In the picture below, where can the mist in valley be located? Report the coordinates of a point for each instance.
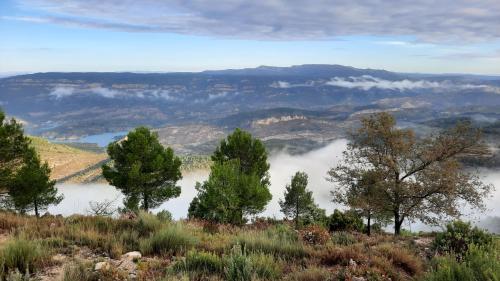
(283, 166)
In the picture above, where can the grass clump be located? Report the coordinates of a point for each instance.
(238, 266)
(79, 272)
(402, 258)
(273, 245)
(23, 255)
(200, 262)
(310, 274)
(343, 238)
(173, 239)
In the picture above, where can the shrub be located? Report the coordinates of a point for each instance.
(348, 220)
(260, 242)
(238, 266)
(164, 216)
(173, 239)
(478, 264)
(202, 262)
(343, 238)
(458, 236)
(23, 255)
(147, 223)
(265, 266)
(282, 232)
(79, 272)
(314, 235)
(130, 239)
(332, 256)
(402, 258)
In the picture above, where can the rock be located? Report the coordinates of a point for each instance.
(133, 256)
(128, 266)
(103, 265)
(358, 278)
(59, 258)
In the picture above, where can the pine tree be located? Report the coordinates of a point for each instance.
(144, 171)
(298, 202)
(32, 189)
(13, 147)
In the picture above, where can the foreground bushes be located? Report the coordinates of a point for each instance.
(478, 264)
(22, 255)
(173, 239)
(458, 237)
(236, 266)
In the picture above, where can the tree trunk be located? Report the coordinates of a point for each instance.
(368, 225)
(36, 208)
(146, 200)
(397, 224)
(297, 214)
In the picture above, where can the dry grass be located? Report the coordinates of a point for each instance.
(273, 252)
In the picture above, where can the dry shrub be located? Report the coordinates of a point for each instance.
(310, 274)
(332, 256)
(314, 235)
(402, 258)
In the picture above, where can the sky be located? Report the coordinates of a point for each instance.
(427, 36)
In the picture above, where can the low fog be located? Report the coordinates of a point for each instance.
(283, 166)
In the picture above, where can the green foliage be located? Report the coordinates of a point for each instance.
(298, 202)
(459, 236)
(250, 152)
(173, 239)
(229, 195)
(478, 264)
(147, 223)
(342, 221)
(143, 170)
(265, 266)
(239, 267)
(164, 216)
(387, 170)
(278, 246)
(13, 146)
(79, 271)
(22, 255)
(343, 238)
(31, 189)
(201, 262)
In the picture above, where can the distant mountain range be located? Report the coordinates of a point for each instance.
(305, 105)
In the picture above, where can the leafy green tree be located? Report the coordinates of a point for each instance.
(13, 147)
(298, 201)
(144, 171)
(250, 152)
(364, 196)
(229, 195)
(417, 178)
(32, 189)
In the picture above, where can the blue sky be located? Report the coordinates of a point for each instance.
(455, 36)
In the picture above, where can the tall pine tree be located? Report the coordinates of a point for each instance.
(144, 170)
(298, 202)
(32, 189)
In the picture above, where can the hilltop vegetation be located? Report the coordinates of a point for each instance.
(387, 176)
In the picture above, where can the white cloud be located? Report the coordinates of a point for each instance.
(442, 21)
(367, 82)
(64, 91)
